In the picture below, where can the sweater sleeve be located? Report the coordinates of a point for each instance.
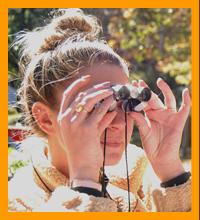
(173, 199)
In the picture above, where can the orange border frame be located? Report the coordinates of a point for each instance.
(194, 5)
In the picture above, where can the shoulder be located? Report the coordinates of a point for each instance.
(23, 192)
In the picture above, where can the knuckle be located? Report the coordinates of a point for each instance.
(81, 94)
(88, 98)
(77, 99)
(65, 93)
(83, 102)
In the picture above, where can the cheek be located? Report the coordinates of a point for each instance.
(130, 126)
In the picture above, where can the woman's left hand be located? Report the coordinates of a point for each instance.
(161, 130)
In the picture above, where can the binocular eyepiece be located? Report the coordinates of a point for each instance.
(131, 98)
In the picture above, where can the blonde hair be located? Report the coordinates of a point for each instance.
(57, 52)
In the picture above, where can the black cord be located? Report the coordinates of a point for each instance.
(36, 172)
(126, 158)
(103, 169)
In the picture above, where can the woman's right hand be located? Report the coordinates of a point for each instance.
(80, 131)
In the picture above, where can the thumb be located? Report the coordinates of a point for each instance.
(106, 121)
(142, 123)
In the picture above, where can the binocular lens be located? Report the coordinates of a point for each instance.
(130, 104)
(145, 95)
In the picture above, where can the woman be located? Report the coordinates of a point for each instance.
(66, 94)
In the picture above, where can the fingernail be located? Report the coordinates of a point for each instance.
(186, 90)
(140, 82)
(109, 91)
(86, 77)
(159, 80)
(102, 84)
(134, 81)
(105, 84)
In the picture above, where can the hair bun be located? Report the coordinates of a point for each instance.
(71, 24)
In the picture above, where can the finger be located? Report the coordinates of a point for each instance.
(71, 90)
(89, 101)
(97, 87)
(158, 116)
(170, 101)
(154, 102)
(142, 83)
(135, 83)
(142, 123)
(106, 121)
(99, 112)
(82, 94)
(185, 106)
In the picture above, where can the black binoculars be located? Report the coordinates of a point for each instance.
(130, 98)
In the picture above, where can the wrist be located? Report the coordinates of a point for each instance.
(85, 183)
(178, 180)
(169, 171)
(86, 173)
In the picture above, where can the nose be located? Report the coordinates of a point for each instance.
(118, 123)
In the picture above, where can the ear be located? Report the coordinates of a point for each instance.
(43, 117)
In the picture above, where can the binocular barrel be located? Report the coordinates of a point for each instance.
(132, 99)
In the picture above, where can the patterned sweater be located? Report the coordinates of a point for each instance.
(40, 187)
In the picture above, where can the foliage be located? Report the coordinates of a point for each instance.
(16, 160)
(156, 37)
(19, 20)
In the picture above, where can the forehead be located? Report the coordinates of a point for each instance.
(106, 72)
(99, 74)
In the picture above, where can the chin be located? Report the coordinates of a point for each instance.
(112, 162)
(113, 155)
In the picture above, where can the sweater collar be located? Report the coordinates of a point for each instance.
(51, 177)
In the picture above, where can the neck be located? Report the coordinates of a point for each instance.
(58, 156)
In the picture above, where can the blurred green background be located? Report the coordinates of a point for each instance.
(154, 42)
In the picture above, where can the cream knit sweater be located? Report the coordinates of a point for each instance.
(28, 193)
